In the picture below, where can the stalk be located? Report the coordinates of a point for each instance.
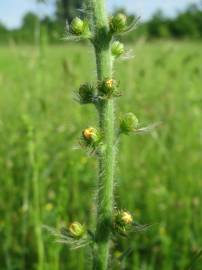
(106, 157)
(102, 33)
(34, 170)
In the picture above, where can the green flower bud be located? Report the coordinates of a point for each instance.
(118, 23)
(86, 93)
(107, 87)
(128, 123)
(76, 230)
(91, 135)
(77, 26)
(117, 48)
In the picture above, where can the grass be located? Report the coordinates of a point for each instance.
(159, 177)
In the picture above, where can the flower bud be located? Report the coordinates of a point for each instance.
(76, 230)
(128, 123)
(123, 222)
(123, 218)
(107, 87)
(118, 23)
(117, 48)
(86, 93)
(77, 26)
(126, 218)
(91, 135)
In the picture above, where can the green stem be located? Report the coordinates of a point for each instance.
(36, 196)
(102, 47)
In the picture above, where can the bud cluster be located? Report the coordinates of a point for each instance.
(121, 221)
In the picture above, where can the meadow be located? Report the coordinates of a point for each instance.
(46, 179)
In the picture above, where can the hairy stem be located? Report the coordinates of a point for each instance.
(106, 122)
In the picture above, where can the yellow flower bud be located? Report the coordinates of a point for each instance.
(126, 218)
(123, 222)
(107, 87)
(109, 83)
(123, 218)
(76, 230)
(89, 133)
(91, 136)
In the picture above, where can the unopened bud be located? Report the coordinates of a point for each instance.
(91, 135)
(109, 83)
(117, 48)
(77, 26)
(76, 230)
(126, 218)
(118, 23)
(107, 87)
(128, 123)
(86, 93)
(123, 222)
(123, 219)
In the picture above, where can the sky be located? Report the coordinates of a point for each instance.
(11, 11)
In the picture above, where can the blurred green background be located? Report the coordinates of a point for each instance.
(45, 179)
